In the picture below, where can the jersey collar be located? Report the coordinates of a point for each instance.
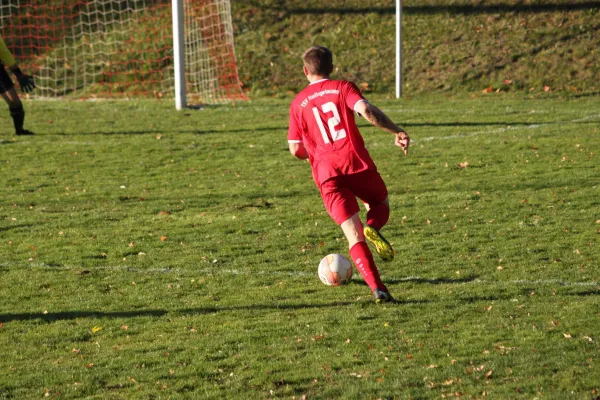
(319, 81)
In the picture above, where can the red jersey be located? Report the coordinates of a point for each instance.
(322, 118)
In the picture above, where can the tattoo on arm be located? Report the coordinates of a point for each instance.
(378, 118)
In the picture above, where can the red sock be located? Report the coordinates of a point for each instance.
(378, 215)
(363, 259)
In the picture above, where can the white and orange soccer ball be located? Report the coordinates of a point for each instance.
(335, 270)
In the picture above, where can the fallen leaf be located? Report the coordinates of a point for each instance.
(163, 238)
(463, 164)
(124, 327)
(488, 90)
(546, 88)
(96, 329)
(567, 335)
(164, 213)
(90, 365)
(489, 373)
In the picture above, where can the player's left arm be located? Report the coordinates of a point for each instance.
(26, 82)
(379, 119)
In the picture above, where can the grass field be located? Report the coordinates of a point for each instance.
(153, 254)
(448, 45)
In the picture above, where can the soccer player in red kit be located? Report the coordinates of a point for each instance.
(322, 129)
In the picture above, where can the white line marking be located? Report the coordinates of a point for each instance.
(274, 273)
(589, 117)
(507, 129)
(477, 133)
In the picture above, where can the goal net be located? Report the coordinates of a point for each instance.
(122, 48)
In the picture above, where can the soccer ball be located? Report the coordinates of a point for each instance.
(335, 270)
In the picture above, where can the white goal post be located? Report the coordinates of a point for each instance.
(398, 49)
(86, 49)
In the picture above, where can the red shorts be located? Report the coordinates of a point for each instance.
(340, 192)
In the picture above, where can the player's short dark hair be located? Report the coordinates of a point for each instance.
(318, 60)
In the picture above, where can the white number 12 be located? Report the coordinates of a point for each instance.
(331, 122)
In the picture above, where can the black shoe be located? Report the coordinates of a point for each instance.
(24, 132)
(383, 297)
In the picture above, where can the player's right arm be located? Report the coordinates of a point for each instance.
(298, 150)
(5, 55)
(295, 144)
(379, 119)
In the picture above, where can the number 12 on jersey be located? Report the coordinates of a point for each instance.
(332, 122)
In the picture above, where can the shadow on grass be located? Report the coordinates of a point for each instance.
(174, 130)
(441, 9)
(591, 292)
(284, 128)
(435, 281)
(9, 228)
(70, 315)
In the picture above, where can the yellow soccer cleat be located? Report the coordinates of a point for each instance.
(382, 246)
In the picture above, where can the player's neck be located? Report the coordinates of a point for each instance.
(317, 78)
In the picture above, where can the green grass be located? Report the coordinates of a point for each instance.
(454, 46)
(147, 253)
